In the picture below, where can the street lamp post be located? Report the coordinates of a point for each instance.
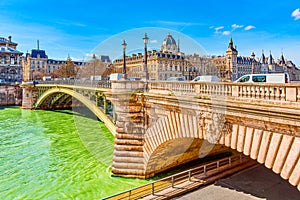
(124, 75)
(94, 57)
(253, 56)
(145, 73)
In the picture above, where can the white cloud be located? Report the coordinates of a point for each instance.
(296, 14)
(226, 33)
(176, 23)
(247, 28)
(219, 28)
(90, 55)
(153, 41)
(235, 26)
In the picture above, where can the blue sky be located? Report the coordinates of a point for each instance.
(79, 27)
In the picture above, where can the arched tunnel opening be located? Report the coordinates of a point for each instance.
(181, 154)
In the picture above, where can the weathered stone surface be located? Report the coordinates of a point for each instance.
(128, 148)
(120, 130)
(129, 172)
(168, 155)
(128, 159)
(128, 142)
(132, 118)
(134, 128)
(129, 136)
(282, 153)
(129, 153)
(128, 165)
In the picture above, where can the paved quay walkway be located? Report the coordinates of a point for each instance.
(253, 183)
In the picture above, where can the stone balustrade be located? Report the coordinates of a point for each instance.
(279, 92)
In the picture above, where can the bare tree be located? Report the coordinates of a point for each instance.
(94, 67)
(67, 70)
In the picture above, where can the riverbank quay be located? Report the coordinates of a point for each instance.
(10, 94)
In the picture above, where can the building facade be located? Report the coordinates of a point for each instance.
(231, 67)
(36, 64)
(10, 61)
(166, 63)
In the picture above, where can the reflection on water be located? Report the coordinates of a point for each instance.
(56, 155)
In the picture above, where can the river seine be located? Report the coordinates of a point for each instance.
(56, 155)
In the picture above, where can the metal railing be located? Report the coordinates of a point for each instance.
(84, 83)
(261, 91)
(196, 174)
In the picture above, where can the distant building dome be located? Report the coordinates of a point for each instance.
(169, 44)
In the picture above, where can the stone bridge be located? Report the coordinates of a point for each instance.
(160, 125)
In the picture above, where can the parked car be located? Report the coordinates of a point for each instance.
(134, 79)
(176, 79)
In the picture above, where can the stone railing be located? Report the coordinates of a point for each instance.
(171, 87)
(274, 92)
(279, 92)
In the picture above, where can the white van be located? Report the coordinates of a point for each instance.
(265, 78)
(206, 79)
(47, 78)
(115, 76)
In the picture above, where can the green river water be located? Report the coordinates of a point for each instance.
(56, 155)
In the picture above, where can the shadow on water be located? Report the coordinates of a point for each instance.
(80, 112)
(5, 107)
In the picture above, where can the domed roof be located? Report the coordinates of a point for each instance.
(169, 40)
(169, 44)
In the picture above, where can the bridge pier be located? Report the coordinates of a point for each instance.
(30, 95)
(128, 159)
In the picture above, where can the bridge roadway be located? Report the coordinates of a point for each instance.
(160, 125)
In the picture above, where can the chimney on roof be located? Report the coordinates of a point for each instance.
(38, 44)
(9, 38)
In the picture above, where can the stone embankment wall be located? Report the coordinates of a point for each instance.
(10, 95)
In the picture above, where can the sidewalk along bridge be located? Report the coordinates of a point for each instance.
(186, 181)
(160, 125)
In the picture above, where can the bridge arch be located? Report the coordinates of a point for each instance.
(84, 100)
(277, 151)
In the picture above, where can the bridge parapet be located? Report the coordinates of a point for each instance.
(174, 121)
(269, 92)
(160, 125)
